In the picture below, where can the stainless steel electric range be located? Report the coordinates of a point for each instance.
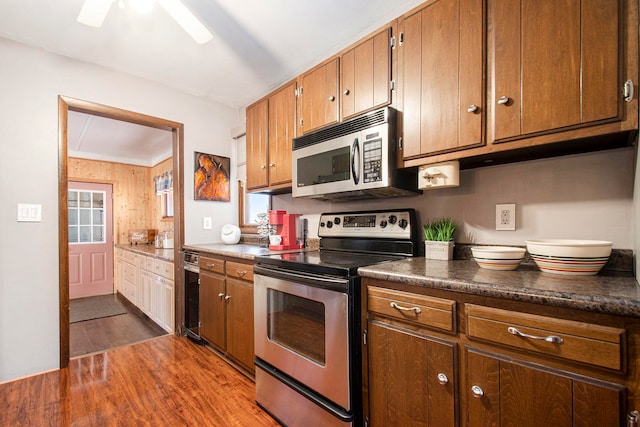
(307, 309)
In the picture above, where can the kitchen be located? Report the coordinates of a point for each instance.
(592, 192)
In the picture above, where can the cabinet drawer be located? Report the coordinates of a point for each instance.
(240, 271)
(129, 272)
(212, 264)
(148, 263)
(423, 310)
(581, 342)
(163, 268)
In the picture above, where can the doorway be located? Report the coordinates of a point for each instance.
(65, 105)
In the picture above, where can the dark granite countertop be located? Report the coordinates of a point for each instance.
(163, 254)
(602, 293)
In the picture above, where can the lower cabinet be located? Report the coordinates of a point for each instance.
(504, 392)
(434, 361)
(226, 308)
(147, 282)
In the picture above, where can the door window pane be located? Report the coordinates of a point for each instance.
(86, 216)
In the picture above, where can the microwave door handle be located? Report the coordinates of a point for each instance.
(355, 161)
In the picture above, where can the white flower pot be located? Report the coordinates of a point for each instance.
(438, 250)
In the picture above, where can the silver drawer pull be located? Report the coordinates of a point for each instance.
(554, 339)
(477, 391)
(241, 273)
(210, 265)
(442, 378)
(416, 310)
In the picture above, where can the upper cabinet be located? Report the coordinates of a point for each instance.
(257, 129)
(365, 75)
(441, 56)
(270, 129)
(555, 65)
(318, 97)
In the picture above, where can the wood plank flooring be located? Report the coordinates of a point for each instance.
(97, 335)
(166, 381)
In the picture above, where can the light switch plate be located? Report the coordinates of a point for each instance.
(29, 213)
(206, 223)
(506, 217)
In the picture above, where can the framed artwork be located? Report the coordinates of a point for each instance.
(211, 177)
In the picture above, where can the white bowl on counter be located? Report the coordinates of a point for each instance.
(498, 257)
(570, 257)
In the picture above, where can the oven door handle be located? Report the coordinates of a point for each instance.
(319, 281)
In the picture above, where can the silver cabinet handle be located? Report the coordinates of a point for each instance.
(442, 378)
(220, 295)
(416, 310)
(346, 92)
(472, 108)
(262, 166)
(332, 98)
(503, 100)
(273, 165)
(227, 298)
(241, 273)
(210, 265)
(554, 339)
(477, 391)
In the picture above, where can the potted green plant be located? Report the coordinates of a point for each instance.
(438, 235)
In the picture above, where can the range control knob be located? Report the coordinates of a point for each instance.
(321, 224)
(393, 219)
(336, 220)
(403, 223)
(329, 224)
(383, 223)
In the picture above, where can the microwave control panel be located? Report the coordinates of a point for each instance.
(372, 159)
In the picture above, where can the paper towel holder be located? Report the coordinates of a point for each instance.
(439, 175)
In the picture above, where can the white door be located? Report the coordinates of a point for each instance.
(90, 239)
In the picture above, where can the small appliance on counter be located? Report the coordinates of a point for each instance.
(143, 236)
(230, 234)
(289, 231)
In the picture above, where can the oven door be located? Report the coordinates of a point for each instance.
(301, 328)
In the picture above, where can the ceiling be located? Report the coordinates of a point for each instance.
(257, 44)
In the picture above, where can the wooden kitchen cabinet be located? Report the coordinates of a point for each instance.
(212, 304)
(439, 358)
(554, 65)
(411, 374)
(365, 75)
(226, 308)
(271, 125)
(442, 77)
(318, 97)
(257, 145)
(503, 392)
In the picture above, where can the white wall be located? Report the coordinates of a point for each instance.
(30, 82)
(587, 196)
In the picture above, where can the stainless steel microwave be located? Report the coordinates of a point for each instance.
(352, 159)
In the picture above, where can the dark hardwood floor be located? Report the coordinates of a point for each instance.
(166, 381)
(97, 335)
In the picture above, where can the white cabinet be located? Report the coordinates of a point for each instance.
(147, 282)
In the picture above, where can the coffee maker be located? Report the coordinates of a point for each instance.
(287, 231)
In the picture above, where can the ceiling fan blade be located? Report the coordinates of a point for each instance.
(93, 12)
(187, 20)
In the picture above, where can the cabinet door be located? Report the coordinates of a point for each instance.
(212, 308)
(240, 322)
(282, 116)
(319, 97)
(502, 393)
(555, 64)
(442, 67)
(257, 128)
(411, 378)
(168, 305)
(365, 75)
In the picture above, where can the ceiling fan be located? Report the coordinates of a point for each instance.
(94, 12)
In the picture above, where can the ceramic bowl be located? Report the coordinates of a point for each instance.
(569, 257)
(498, 257)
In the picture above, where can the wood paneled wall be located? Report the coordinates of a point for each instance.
(135, 204)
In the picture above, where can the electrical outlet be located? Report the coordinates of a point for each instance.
(506, 217)
(206, 223)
